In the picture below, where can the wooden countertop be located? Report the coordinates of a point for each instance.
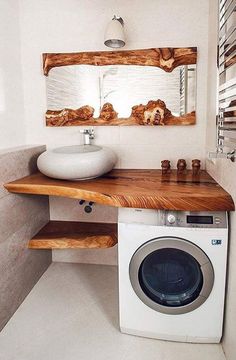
(147, 189)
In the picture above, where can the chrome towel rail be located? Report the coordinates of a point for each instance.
(226, 119)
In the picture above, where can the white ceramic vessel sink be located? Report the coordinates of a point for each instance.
(77, 162)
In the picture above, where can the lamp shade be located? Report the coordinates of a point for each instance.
(114, 34)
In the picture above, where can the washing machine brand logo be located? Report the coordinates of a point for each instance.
(216, 242)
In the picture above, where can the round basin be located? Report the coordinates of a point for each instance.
(77, 162)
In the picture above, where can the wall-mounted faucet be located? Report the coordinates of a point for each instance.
(88, 135)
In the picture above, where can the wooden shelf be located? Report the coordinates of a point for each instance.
(147, 189)
(75, 235)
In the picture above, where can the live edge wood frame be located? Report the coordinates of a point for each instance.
(154, 112)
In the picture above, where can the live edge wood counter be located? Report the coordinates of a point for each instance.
(147, 189)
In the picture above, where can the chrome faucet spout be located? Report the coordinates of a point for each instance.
(88, 135)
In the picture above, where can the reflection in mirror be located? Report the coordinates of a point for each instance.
(121, 94)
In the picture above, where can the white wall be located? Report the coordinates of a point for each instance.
(12, 131)
(72, 25)
(224, 172)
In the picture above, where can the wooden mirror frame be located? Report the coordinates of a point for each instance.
(153, 113)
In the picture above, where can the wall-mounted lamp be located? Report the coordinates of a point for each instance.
(114, 35)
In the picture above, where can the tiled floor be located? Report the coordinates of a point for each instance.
(72, 314)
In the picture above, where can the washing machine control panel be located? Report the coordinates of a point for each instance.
(217, 219)
(189, 219)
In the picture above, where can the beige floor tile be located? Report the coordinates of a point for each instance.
(72, 314)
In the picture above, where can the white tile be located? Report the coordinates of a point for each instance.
(107, 135)
(161, 136)
(148, 156)
(224, 172)
(72, 313)
(70, 210)
(150, 349)
(86, 256)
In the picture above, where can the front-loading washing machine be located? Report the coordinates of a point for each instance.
(172, 272)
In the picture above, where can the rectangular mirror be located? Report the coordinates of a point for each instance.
(117, 94)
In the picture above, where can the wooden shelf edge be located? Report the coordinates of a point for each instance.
(147, 189)
(75, 235)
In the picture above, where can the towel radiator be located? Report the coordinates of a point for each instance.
(226, 118)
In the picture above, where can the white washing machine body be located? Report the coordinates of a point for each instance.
(188, 252)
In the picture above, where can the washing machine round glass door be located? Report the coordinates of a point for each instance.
(171, 275)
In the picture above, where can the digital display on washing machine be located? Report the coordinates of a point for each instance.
(195, 219)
